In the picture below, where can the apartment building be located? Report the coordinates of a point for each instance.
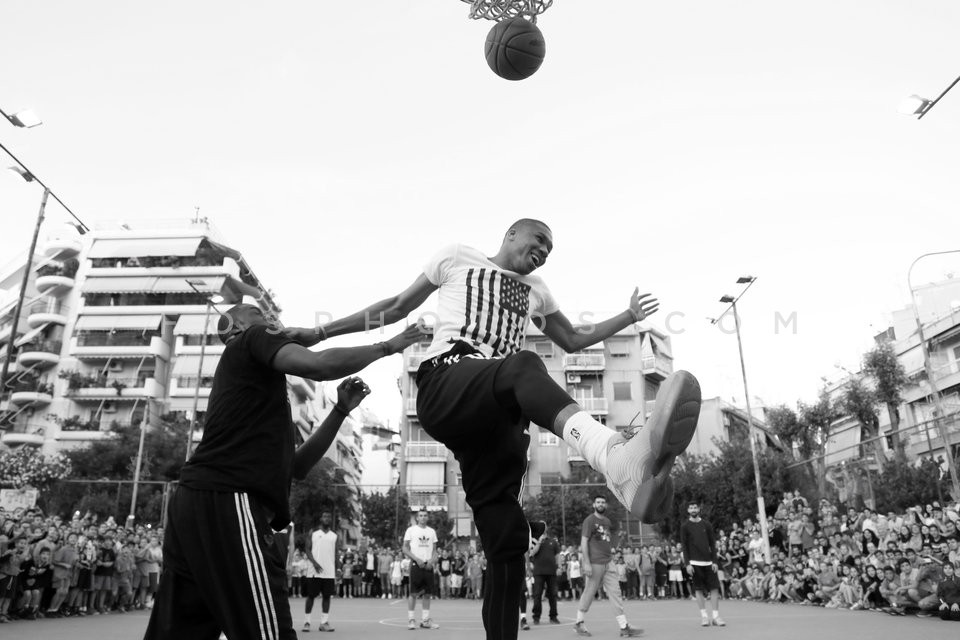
(615, 380)
(119, 328)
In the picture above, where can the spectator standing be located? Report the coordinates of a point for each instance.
(384, 564)
(64, 561)
(420, 547)
(595, 537)
(543, 556)
(320, 572)
(700, 553)
(646, 574)
(631, 560)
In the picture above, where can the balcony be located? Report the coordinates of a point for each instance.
(411, 406)
(657, 367)
(573, 457)
(65, 245)
(299, 386)
(31, 392)
(414, 357)
(424, 452)
(429, 500)
(29, 434)
(119, 344)
(596, 406)
(582, 361)
(115, 389)
(40, 353)
(46, 312)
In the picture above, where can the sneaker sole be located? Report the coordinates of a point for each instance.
(673, 424)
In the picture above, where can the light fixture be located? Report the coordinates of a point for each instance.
(727, 299)
(25, 118)
(745, 279)
(23, 173)
(913, 105)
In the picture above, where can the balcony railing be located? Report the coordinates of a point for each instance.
(584, 361)
(430, 500)
(89, 385)
(190, 382)
(425, 451)
(658, 366)
(46, 306)
(32, 386)
(115, 338)
(593, 405)
(44, 346)
(411, 406)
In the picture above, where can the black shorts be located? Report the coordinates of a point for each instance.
(224, 565)
(369, 575)
(421, 580)
(313, 587)
(705, 579)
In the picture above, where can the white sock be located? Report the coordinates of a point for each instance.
(716, 614)
(308, 618)
(579, 615)
(412, 615)
(589, 438)
(426, 614)
(324, 618)
(622, 621)
(703, 613)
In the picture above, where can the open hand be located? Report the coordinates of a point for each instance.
(642, 304)
(411, 335)
(351, 392)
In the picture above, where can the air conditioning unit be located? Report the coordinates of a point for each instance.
(115, 365)
(573, 378)
(109, 407)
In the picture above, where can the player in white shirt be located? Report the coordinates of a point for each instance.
(479, 390)
(321, 574)
(420, 546)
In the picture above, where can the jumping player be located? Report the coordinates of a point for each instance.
(478, 391)
(222, 569)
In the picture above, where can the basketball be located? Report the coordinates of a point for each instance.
(515, 49)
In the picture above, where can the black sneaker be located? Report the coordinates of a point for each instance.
(630, 632)
(524, 625)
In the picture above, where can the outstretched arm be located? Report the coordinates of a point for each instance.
(331, 364)
(558, 327)
(350, 393)
(387, 311)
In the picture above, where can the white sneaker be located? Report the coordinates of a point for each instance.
(411, 624)
(642, 483)
(429, 624)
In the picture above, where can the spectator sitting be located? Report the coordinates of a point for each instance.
(948, 594)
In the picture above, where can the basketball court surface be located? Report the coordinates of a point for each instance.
(372, 619)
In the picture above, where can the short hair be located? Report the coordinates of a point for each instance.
(526, 222)
(227, 324)
(600, 496)
(692, 503)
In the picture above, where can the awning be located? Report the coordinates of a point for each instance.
(144, 247)
(30, 335)
(188, 365)
(106, 323)
(152, 284)
(193, 325)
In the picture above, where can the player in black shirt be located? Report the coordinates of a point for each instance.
(222, 570)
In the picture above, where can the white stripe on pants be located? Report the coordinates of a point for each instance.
(605, 574)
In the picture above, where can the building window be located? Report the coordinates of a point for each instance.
(548, 439)
(619, 348)
(543, 348)
(956, 353)
(621, 391)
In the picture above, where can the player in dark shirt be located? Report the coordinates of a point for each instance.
(699, 544)
(222, 569)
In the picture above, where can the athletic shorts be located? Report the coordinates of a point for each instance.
(676, 575)
(421, 580)
(704, 579)
(369, 575)
(224, 565)
(456, 581)
(313, 587)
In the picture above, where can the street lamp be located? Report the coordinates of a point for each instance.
(211, 300)
(918, 106)
(24, 118)
(931, 379)
(761, 509)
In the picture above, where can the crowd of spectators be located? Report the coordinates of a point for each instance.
(51, 568)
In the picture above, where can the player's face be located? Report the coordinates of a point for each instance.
(693, 510)
(599, 505)
(422, 519)
(326, 520)
(532, 244)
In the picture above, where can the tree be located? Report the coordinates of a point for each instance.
(882, 365)
(902, 484)
(385, 515)
(783, 421)
(442, 523)
(324, 489)
(817, 419)
(27, 467)
(565, 506)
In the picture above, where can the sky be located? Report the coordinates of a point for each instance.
(670, 146)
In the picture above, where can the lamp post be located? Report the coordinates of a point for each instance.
(761, 509)
(211, 300)
(931, 379)
(918, 106)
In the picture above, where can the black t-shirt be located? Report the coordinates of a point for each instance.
(545, 560)
(248, 436)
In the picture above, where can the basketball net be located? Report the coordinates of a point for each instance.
(498, 10)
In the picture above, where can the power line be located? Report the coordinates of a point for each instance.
(30, 175)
